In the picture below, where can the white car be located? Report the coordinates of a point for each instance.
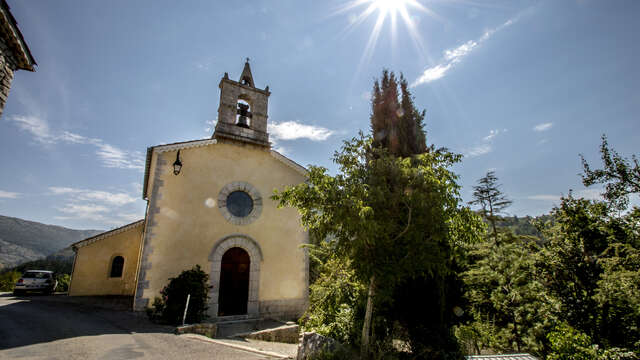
(36, 280)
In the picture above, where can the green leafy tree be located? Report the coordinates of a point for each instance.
(492, 201)
(618, 296)
(335, 295)
(568, 262)
(509, 308)
(621, 176)
(395, 218)
(590, 265)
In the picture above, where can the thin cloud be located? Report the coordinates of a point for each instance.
(9, 195)
(112, 198)
(493, 134)
(588, 194)
(292, 130)
(113, 157)
(455, 55)
(103, 207)
(543, 127)
(37, 126)
(486, 146)
(432, 74)
(110, 155)
(211, 124)
(545, 197)
(479, 150)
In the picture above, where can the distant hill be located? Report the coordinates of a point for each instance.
(23, 240)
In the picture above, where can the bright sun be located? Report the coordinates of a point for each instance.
(392, 5)
(386, 9)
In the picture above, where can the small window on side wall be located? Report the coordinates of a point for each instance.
(116, 267)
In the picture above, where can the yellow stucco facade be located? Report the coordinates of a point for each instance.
(94, 259)
(185, 221)
(192, 219)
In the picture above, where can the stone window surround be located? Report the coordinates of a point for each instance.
(253, 193)
(255, 255)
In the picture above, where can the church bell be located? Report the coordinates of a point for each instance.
(243, 111)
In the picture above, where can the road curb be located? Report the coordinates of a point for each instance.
(235, 346)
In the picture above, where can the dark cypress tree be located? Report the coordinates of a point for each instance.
(396, 124)
(421, 305)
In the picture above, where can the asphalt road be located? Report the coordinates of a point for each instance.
(41, 327)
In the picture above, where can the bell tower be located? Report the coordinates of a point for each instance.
(242, 114)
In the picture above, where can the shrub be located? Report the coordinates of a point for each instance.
(8, 280)
(170, 308)
(568, 343)
(63, 282)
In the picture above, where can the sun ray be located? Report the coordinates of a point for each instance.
(414, 34)
(395, 10)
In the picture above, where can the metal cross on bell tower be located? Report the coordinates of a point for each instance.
(243, 111)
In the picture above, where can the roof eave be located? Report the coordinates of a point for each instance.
(28, 61)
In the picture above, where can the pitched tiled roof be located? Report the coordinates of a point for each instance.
(106, 234)
(502, 357)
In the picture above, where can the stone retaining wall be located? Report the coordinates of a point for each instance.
(206, 329)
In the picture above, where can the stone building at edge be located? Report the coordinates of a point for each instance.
(208, 204)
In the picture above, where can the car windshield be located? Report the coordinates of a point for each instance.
(35, 275)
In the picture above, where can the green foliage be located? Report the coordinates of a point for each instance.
(170, 308)
(618, 296)
(579, 257)
(8, 280)
(397, 220)
(579, 276)
(339, 353)
(380, 209)
(526, 225)
(334, 296)
(621, 176)
(63, 282)
(508, 305)
(569, 344)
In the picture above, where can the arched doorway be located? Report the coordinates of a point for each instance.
(234, 282)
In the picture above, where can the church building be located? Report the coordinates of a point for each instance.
(209, 204)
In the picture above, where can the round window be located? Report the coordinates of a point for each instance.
(239, 204)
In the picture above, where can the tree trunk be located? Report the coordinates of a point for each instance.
(493, 222)
(366, 327)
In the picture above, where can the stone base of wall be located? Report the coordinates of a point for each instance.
(205, 329)
(312, 343)
(288, 309)
(112, 302)
(289, 334)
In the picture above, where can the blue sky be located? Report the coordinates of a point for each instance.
(521, 87)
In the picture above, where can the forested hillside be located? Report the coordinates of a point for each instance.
(23, 240)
